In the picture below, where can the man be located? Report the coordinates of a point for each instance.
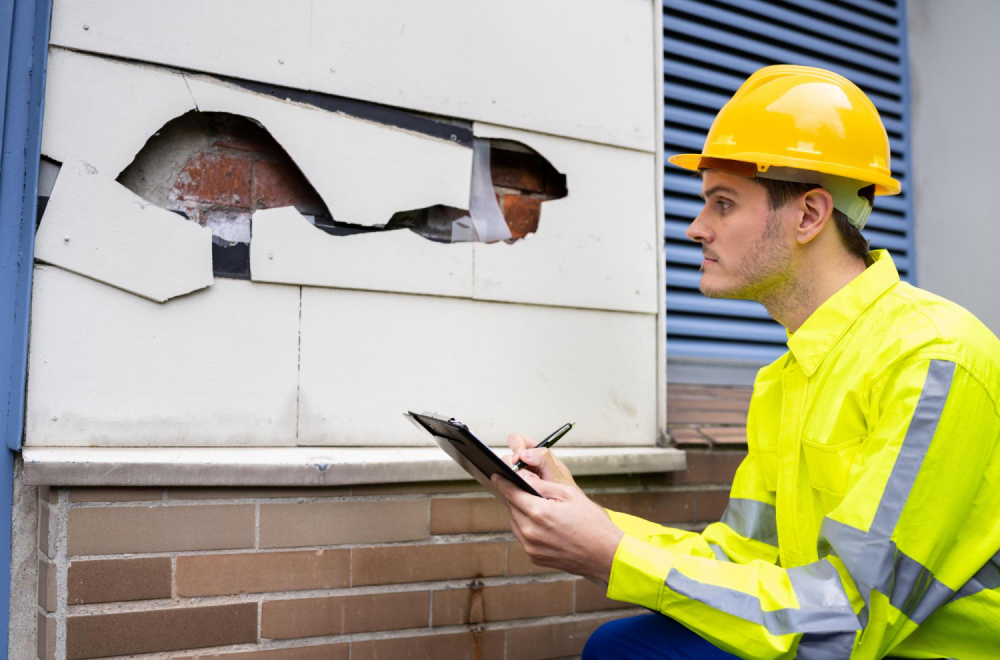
(865, 521)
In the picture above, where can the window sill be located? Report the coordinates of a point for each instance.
(298, 466)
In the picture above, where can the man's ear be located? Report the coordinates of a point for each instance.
(816, 207)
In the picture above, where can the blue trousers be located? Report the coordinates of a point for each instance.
(649, 637)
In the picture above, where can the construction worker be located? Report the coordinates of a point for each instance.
(865, 520)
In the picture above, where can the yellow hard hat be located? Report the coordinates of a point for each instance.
(803, 118)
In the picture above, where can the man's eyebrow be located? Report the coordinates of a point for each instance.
(717, 189)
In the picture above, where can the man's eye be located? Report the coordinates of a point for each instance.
(723, 205)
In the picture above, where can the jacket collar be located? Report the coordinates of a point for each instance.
(831, 320)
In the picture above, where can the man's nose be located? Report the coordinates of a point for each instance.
(697, 230)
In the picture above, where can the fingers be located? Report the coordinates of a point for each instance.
(519, 441)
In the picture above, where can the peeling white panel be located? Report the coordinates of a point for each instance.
(103, 111)
(368, 357)
(94, 226)
(215, 367)
(364, 171)
(578, 68)
(287, 249)
(595, 248)
(253, 39)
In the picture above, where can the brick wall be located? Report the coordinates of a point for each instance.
(381, 571)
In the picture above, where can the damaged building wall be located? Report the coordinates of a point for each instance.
(564, 67)
(356, 178)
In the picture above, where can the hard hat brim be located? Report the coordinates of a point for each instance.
(884, 185)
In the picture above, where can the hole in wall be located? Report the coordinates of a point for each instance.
(216, 169)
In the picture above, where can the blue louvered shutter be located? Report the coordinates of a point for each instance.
(709, 48)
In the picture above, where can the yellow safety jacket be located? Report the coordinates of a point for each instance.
(865, 520)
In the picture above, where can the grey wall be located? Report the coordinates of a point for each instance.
(955, 145)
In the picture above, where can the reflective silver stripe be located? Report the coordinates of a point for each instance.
(752, 519)
(825, 646)
(871, 557)
(986, 578)
(719, 553)
(825, 608)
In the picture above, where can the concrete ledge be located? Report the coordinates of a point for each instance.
(298, 466)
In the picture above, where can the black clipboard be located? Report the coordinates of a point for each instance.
(470, 452)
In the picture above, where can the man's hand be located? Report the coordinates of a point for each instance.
(539, 461)
(565, 531)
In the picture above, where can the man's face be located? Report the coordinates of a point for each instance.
(745, 245)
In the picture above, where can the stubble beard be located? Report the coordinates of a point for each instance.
(764, 274)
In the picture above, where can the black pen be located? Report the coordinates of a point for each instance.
(548, 442)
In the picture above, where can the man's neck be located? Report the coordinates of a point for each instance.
(814, 281)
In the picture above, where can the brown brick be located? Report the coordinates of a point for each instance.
(687, 437)
(331, 523)
(313, 617)
(46, 533)
(464, 515)
(473, 645)
(283, 184)
(518, 562)
(315, 652)
(609, 481)
(522, 214)
(417, 488)
(479, 604)
(591, 597)
(704, 467)
(46, 637)
(82, 494)
(47, 494)
(661, 507)
(708, 392)
(223, 493)
(423, 563)
(215, 179)
(520, 171)
(710, 504)
(553, 640)
(46, 586)
(715, 403)
(707, 417)
(127, 633)
(111, 580)
(726, 435)
(111, 530)
(218, 575)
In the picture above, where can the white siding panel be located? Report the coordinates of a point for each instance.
(253, 39)
(579, 68)
(500, 368)
(287, 249)
(597, 247)
(96, 227)
(108, 368)
(103, 111)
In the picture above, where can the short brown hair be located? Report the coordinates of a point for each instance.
(780, 193)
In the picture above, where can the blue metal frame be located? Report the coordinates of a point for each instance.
(24, 37)
(907, 184)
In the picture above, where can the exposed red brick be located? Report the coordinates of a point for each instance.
(711, 417)
(518, 562)
(522, 214)
(216, 179)
(521, 171)
(283, 184)
(46, 637)
(552, 640)
(216, 575)
(703, 467)
(315, 652)
(714, 403)
(687, 437)
(726, 435)
(466, 515)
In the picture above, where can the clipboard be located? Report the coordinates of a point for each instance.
(470, 452)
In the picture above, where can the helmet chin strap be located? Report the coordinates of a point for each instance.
(843, 190)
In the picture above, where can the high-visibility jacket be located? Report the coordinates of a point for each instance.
(865, 520)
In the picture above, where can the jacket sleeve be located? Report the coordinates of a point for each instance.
(886, 554)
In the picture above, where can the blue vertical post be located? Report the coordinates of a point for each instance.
(24, 36)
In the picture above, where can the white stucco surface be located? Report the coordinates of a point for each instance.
(955, 139)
